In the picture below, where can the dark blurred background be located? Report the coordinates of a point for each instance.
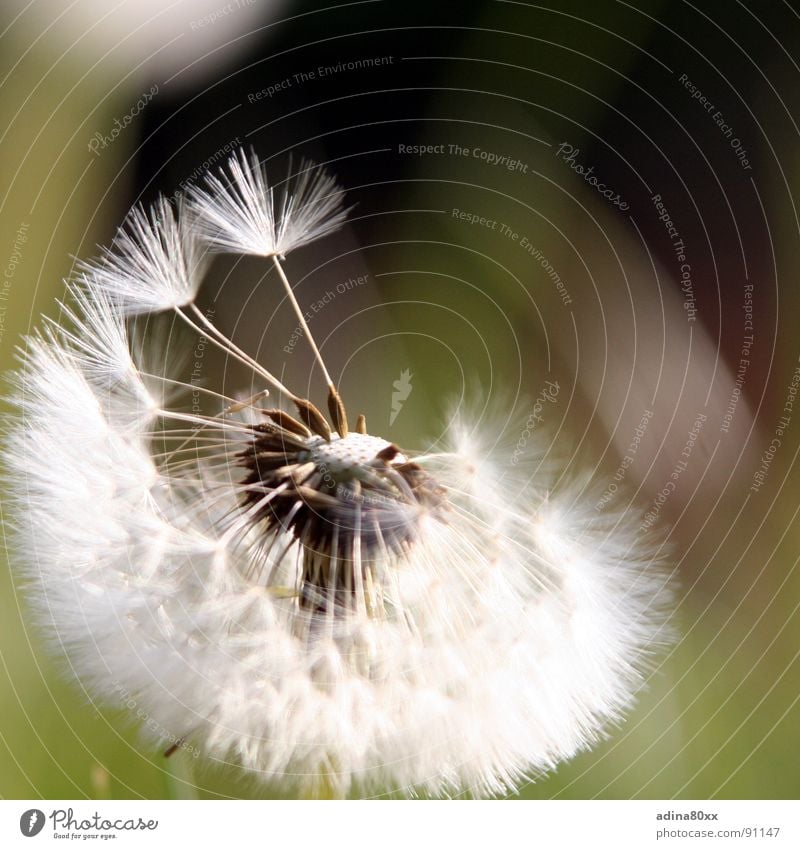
(605, 199)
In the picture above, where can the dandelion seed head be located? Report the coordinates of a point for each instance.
(310, 603)
(348, 455)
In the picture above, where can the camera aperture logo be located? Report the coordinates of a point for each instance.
(67, 826)
(31, 822)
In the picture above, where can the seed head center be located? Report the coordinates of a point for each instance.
(345, 456)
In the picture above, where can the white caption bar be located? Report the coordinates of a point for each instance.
(402, 824)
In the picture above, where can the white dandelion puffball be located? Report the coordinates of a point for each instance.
(283, 591)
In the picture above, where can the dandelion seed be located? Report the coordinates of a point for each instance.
(317, 605)
(241, 212)
(157, 261)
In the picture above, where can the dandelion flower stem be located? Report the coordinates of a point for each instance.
(303, 323)
(222, 341)
(322, 787)
(233, 403)
(179, 776)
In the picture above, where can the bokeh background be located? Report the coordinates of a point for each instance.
(628, 178)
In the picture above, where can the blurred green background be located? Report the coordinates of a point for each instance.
(464, 305)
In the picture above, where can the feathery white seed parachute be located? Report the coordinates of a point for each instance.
(156, 262)
(306, 601)
(240, 212)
